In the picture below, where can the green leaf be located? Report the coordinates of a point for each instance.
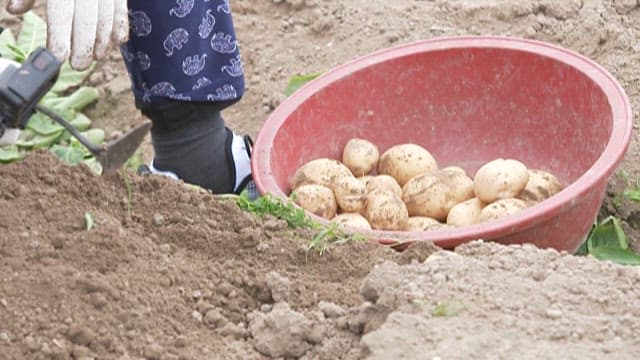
(81, 122)
(32, 34)
(88, 221)
(617, 255)
(93, 165)
(29, 139)
(95, 135)
(609, 234)
(41, 124)
(17, 53)
(7, 39)
(296, 81)
(70, 78)
(69, 154)
(9, 154)
(79, 99)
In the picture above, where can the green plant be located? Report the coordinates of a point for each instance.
(67, 98)
(88, 221)
(607, 241)
(297, 81)
(324, 236)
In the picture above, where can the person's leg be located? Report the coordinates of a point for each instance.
(185, 68)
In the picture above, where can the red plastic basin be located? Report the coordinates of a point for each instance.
(467, 100)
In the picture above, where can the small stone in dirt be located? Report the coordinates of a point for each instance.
(281, 333)
(279, 286)
(4, 337)
(153, 352)
(554, 313)
(57, 242)
(3, 302)
(331, 310)
(197, 294)
(158, 219)
(80, 335)
(196, 315)
(234, 330)
(214, 319)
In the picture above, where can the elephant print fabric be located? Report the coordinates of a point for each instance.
(183, 50)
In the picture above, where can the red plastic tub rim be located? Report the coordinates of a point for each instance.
(598, 173)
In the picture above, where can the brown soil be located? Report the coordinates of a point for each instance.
(173, 273)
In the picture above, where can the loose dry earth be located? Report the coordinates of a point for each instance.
(173, 273)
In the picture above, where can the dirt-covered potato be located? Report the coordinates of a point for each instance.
(383, 183)
(352, 220)
(351, 194)
(320, 171)
(423, 223)
(500, 179)
(541, 185)
(501, 208)
(434, 194)
(386, 211)
(465, 213)
(406, 161)
(360, 156)
(317, 199)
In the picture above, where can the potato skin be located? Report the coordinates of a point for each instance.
(360, 156)
(501, 208)
(386, 211)
(465, 213)
(351, 194)
(320, 171)
(405, 161)
(383, 183)
(500, 179)
(423, 223)
(434, 194)
(541, 186)
(352, 220)
(317, 199)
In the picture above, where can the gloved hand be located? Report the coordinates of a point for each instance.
(81, 30)
(9, 137)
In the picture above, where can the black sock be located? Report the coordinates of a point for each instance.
(189, 139)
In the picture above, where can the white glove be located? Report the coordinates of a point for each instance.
(9, 137)
(81, 30)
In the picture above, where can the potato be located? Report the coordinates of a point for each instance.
(317, 199)
(386, 211)
(541, 185)
(501, 208)
(383, 183)
(406, 161)
(351, 194)
(500, 179)
(423, 223)
(352, 220)
(320, 171)
(360, 156)
(434, 194)
(364, 179)
(465, 213)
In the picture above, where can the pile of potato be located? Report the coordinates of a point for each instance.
(404, 189)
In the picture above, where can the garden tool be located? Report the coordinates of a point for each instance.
(21, 88)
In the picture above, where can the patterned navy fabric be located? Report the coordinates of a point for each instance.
(183, 50)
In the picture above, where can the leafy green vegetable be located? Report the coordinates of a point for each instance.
(9, 154)
(67, 98)
(42, 125)
(33, 33)
(69, 78)
(6, 40)
(69, 154)
(607, 241)
(617, 255)
(296, 82)
(88, 221)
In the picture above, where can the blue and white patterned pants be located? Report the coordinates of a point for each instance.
(183, 50)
